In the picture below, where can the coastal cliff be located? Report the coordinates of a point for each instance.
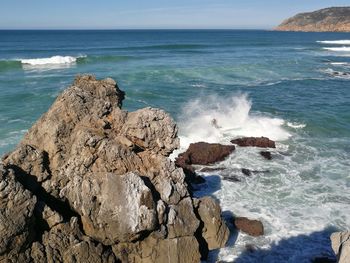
(333, 19)
(91, 182)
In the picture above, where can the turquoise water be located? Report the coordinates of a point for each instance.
(287, 86)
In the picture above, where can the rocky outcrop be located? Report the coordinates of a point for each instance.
(202, 153)
(334, 19)
(90, 182)
(251, 227)
(341, 246)
(266, 154)
(262, 142)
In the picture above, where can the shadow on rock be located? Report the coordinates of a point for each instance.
(299, 249)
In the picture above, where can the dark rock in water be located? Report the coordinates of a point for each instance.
(206, 153)
(262, 142)
(266, 154)
(90, 182)
(246, 172)
(201, 153)
(251, 227)
(211, 169)
(233, 179)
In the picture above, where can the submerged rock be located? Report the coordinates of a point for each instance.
(266, 154)
(341, 246)
(96, 184)
(262, 142)
(251, 227)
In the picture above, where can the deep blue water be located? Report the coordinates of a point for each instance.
(292, 92)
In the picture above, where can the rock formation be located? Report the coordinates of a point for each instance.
(93, 183)
(262, 142)
(341, 246)
(251, 227)
(334, 19)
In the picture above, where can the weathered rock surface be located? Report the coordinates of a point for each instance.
(341, 246)
(215, 231)
(333, 19)
(93, 183)
(251, 227)
(262, 142)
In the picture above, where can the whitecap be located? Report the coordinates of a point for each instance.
(50, 61)
(296, 125)
(335, 42)
(338, 49)
(215, 119)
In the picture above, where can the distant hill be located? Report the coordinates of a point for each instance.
(333, 19)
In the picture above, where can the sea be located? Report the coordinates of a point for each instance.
(291, 87)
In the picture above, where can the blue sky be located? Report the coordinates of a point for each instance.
(115, 14)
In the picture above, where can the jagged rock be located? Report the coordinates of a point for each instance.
(266, 154)
(17, 222)
(214, 231)
(88, 161)
(341, 246)
(251, 227)
(65, 243)
(262, 142)
(157, 249)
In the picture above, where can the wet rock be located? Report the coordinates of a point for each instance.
(206, 153)
(341, 246)
(211, 169)
(231, 178)
(246, 172)
(251, 227)
(262, 142)
(214, 231)
(266, 154)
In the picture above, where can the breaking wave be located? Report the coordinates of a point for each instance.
(335, 42)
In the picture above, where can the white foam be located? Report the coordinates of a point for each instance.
(233, 118)
(339, 63)
(335, 42)
(296, 125)
(338, 49)
(49, 61)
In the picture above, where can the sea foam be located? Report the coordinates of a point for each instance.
(338, 49)
(49, 61)
(215, 119)
(335, 42)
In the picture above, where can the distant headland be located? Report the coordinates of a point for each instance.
(333, 19)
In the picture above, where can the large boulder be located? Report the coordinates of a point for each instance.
(214, 231)
(103, 180)
(262, 142)
(341, 246)
(251, 227)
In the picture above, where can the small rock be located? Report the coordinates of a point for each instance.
(262, 142)
(246, 172)
(251, 227)
(233, 179)
(211, 169)
(266, 154)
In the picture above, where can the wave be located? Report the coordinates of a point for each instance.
(338, 49)
(232, 117)
(49, 61)
(339, 63)
(335, 42)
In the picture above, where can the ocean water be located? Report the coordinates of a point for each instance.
(291, 87)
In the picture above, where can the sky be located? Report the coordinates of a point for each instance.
(153, 14)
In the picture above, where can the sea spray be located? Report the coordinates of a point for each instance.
(217, 119)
